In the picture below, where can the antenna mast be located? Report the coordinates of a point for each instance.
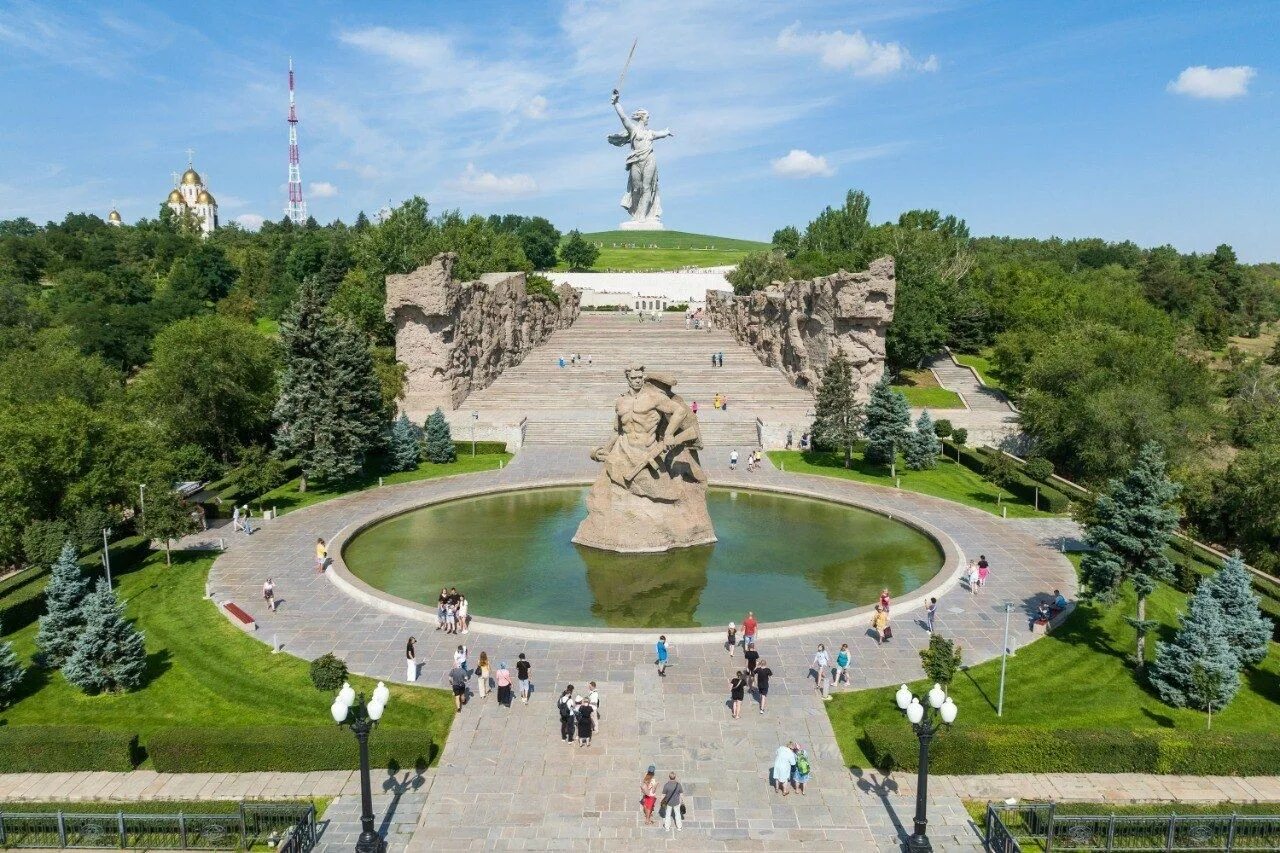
(297, 208)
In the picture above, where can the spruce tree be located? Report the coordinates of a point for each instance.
(439, 440)
(1248, 631)
(404, 447)
(838, 414)
(923, 445)
(330, 404)
(11, 672)
(63, 620)
(110, 655)
(888, 422)
(1129, 535)
(1198, 669)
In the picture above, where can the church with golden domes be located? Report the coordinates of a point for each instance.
(191, 195)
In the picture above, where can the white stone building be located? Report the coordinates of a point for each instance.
(192, 195)
(644, 291)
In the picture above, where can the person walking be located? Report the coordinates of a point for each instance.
(322, 555)
(584, 715)
(661, 660)
(842, 664)
(713, 359)
(790, 437)
(593, 699)
(732, 639)
(762, 676)
(783, 760)
(463, 616)
(410, 661)
(884, 599)
(502, 680)
(752, 657)
(458, 680)
(245, 514)
(672, 808)
(460, 658)
(802, 769)
(649, 794)
(236, 526)
(522, 675)
(821, 662)
(880, 622)
(984, 571)
(749, 628)
(931, 614)
(694, 407)
(269, 594)
(482, 673)
(971, 575)
(737, 692)
(720, 358)
(564, 705)
(733, 457)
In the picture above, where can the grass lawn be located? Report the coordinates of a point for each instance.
(982, 363)
(202, 671)
(666, 250)
(923, 391)
(287, 498)
(949, 480)
(1076, 678)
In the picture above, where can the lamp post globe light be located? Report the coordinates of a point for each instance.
(351, 709)
(941, 712)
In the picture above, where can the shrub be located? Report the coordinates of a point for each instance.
(328, 672)
(1038, 468)
(490, 447)
(940, 660)
(960, 435)
(48, 749)
(42, 542)
(943, 428)
(23, 598)
(295, 749)
(1185, 577)
(540, 285)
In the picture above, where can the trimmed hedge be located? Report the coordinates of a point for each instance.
(22, 599)
(1023, 749)
(295, 749)
(464, 447)
(47, 749)
(1051, 498)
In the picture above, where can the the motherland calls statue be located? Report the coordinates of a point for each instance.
(652, 493)
(641, 198)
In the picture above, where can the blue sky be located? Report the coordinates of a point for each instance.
(1155, 121)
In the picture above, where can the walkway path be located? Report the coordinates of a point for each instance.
(505, 780)
(989, 417)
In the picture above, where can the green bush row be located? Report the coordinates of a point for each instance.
(45, 749)
(481, 446)
(1020, 749)
(977, 460)
(283, 748)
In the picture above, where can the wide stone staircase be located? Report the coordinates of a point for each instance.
(573, 405)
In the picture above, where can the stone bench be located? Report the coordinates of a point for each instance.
(238, 617)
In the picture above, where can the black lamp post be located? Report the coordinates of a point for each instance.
(360, 717)
(927, 723)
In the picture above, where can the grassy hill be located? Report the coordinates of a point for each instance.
(666, 250)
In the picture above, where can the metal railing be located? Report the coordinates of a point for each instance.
(287, 828)
(1041, 827)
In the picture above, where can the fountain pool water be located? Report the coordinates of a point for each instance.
(783, 557)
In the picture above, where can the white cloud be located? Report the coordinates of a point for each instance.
(475, 182)
(801, 164)
(250, 221)
(1201, 81)
(323, 189)
(536, 108)
(366, 171)
(853, 52)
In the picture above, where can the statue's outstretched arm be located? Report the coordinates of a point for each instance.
(622, 115)
(664, 133)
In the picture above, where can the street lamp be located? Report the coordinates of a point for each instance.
(106, 553)
(142, 507)
(352, 709)
(475, 416)
(926, 724)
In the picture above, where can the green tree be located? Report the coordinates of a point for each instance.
(923, 445)
(405, 451)
(196, 281)
(257, 473)
(1198, 668)
(11, 672)
(43, 541)
(212, 382)
(1248, 632)
(439, 440)
(330, 403)
(758, 270)
(63, 620)
(110, 655)
(540, 240)
(838, 415)
(787, 241)
(394, 245)
(888, 422)
(1129, 537)
(1038, 468)
(940, 660)
(577, 253)
(1000, 472)
(1273, 358)
(168, 517)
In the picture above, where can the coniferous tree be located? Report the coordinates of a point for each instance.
(888, 422)
(439, 440)
(330, 404)
(11, 672)
(63, 599)
(1129, 535)
(405, 449)
(838, 415)
(1247, 630)
(1198, 669)
(923, 445)
(110, 654)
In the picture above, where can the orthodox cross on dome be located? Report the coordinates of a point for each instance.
(175, 178)
(191, 153)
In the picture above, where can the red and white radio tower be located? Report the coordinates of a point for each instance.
(297, 209)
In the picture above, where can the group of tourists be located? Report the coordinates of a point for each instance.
(697, 320)
(791, 767)
(805, 439)
(579, 715)
(241, 520)
(717, 359)
(488, 679)
(573, 360)
(977, 573)
(671, 809)
(452, 612)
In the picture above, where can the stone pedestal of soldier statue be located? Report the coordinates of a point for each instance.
(651, 494)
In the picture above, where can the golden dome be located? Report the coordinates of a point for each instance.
(205, 197)
(114, 215)
(175, 197)
(191, 177)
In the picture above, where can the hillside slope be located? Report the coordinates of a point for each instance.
(666, 250)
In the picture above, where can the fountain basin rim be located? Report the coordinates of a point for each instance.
(947, 577)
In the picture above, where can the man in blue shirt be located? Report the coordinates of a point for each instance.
(662, 656)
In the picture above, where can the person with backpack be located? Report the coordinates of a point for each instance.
(802, 769)
(565, 706)
(783, 760)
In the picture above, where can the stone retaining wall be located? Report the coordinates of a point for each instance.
(457, 337)
(797, 326)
